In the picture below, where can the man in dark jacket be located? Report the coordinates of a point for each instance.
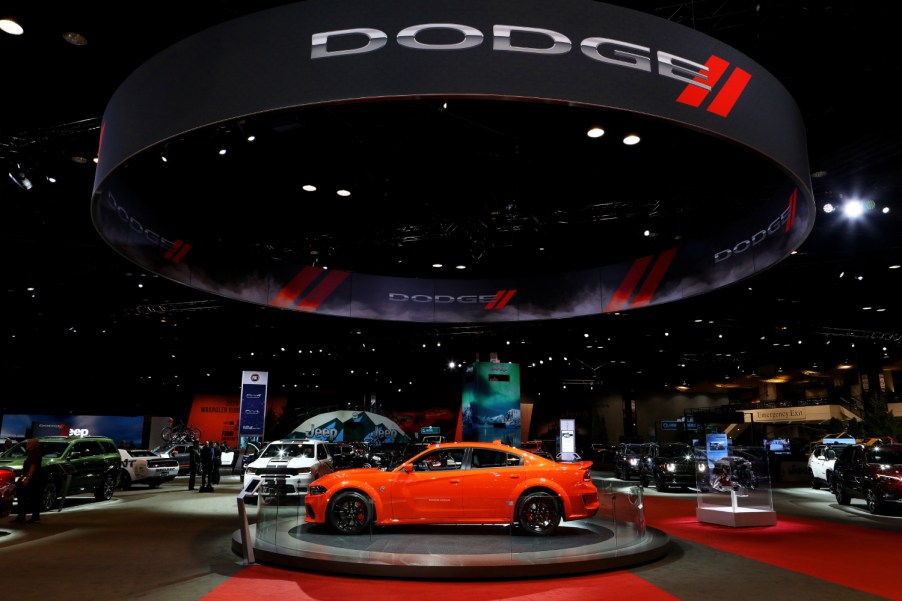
(193, 464)
(207, 459)
(29, 483)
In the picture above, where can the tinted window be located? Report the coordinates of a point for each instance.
(487, 458)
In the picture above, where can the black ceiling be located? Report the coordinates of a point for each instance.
(98, 333)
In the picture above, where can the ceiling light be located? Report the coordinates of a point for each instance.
(853, 209)
(11, 27)
(829, 208)
(436, 265)
(222, 151)
(595, 132)
(460, 267)
(631, 140)
(309, 188)
(251, 138)
(343, 193)
(20, 178)
(75, 38)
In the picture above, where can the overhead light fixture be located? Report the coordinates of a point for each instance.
(11, 27)
(75, 38)
(631, 140)
(595, 132)
(309, 188)
(343, 193)
(20, 178)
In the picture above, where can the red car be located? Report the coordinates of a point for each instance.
(457, 483)
(872, 473)
(7, 490)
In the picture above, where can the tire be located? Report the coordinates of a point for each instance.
(841, 497)
(815, 483)
(539, 513)
(125, 481)
(350, 512)
(48, 496)
(105, 492)
(875, 505)
(617, 473)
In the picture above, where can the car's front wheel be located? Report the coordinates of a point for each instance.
(125, 481)
(660, 483)
(539, 513)
(105, 492)
(350, 512)
(873, 500)
(48, 496)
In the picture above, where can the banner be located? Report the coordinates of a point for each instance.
(252, 412)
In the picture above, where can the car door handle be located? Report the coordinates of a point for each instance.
(454, 481)
(515, 476)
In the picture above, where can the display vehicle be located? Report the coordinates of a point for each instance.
(669, 465)
(142, 466)
(820, 464)
(287, 467)
(872, 473)
(457, 483)
(627, 458)
(71, 465)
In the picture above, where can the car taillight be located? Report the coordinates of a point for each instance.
(587, 477)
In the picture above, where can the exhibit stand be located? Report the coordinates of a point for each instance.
(617, 537)
(734, 487)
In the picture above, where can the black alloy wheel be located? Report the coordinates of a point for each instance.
(105, 492)
(48, 496)
(125, 481)
(872, 498)
(539, 513)
(350, 512)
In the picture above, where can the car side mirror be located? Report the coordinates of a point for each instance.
(74, 455)
(407, 467)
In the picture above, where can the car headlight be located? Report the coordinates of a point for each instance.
(298, 471)
(671, 467)
(634, 461)
(702, 467)
(316, 490)
(888, 477)
(250, 471)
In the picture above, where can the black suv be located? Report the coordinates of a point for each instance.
(627, 459)
(872, 473)
(669, 464)
(71, 465)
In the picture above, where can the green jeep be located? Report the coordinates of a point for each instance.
(71, 465)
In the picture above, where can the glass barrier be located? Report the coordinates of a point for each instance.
(278, 516)
(735, 487)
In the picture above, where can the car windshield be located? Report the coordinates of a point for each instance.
(287, 451)
(632, 449)
(886, 456)
(142, 454)
(674, 450)
(53, 449)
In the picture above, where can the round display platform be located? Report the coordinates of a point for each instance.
(455, 551)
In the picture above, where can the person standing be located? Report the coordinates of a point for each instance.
(217, 462)
(29, 483)
(193, 463)
(206, 466)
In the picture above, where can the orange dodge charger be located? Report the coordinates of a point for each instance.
(457, 483)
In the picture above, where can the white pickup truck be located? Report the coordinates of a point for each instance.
(820, 464)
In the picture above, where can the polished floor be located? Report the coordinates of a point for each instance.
(176, 545)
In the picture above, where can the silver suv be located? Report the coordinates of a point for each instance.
(287, 467)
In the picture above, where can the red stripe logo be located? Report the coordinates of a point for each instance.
(502, 297)
(724, 101)
(309, 289)
(177, 251)
(793, 198)
(641, 277)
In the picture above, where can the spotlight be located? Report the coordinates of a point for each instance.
(20, 178)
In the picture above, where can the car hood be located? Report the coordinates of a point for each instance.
(293, 462)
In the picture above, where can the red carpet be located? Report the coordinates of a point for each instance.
(788, 545)
(260, 582)
(793, 544)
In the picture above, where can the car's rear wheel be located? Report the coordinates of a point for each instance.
(841, 496)
(125, 481)
(539, 513)
(875, 505)
(105, 492)
(815, 483)
(48, 496)
(350, 512)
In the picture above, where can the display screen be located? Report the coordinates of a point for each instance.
(780, 446)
